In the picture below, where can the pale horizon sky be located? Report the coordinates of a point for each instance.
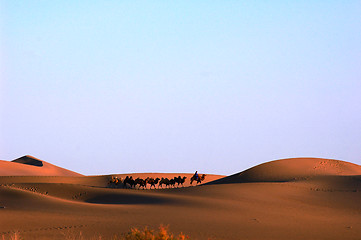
(101, 87)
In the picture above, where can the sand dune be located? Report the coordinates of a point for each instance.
(292, 170)
(285, 199)
(31, 166)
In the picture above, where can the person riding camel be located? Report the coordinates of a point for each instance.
(195, 176)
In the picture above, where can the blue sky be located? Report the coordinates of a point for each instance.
(164, 86)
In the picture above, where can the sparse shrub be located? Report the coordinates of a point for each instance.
(12, 236)
(148, 234)
(163, 233)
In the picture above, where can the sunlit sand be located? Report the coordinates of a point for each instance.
(301, 198)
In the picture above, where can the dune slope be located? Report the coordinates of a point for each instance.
(283, 200)
(31, 166)
(293, 169)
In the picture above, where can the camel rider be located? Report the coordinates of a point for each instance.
(196, 177)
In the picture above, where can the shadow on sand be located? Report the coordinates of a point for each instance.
(129, 199)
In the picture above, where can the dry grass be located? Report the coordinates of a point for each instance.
(12, 236)
(148, 234)
(162, 233)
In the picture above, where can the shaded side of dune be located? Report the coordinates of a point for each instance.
(127, 199)
(29, 160)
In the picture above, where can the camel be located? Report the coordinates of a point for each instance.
(120, 181)
(199, 180)
(112, 181)
(141, 182)
(115, 181)
(180, 180)
(130, 181)
(172, 182)
(153, 182)
(164, 181)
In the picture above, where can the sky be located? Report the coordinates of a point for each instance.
(102, 87)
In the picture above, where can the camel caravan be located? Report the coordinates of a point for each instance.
(139, 183)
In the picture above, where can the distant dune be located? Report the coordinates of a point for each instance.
(289, 199)
(293, 169)
(31, 166)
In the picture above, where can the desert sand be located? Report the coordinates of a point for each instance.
(300, 198)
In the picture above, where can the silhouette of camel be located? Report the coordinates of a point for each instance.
(141, 182)
(115, 181)
(180, 180)
(130, 181)
(199, 180)
(153, 182)
(164, 181)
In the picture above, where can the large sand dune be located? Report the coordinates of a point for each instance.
(294, 169)
(31, 166)
(285, 199)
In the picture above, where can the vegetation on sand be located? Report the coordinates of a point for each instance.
(148, 234)
(163, 233)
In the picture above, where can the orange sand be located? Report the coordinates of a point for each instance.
(304, 198)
